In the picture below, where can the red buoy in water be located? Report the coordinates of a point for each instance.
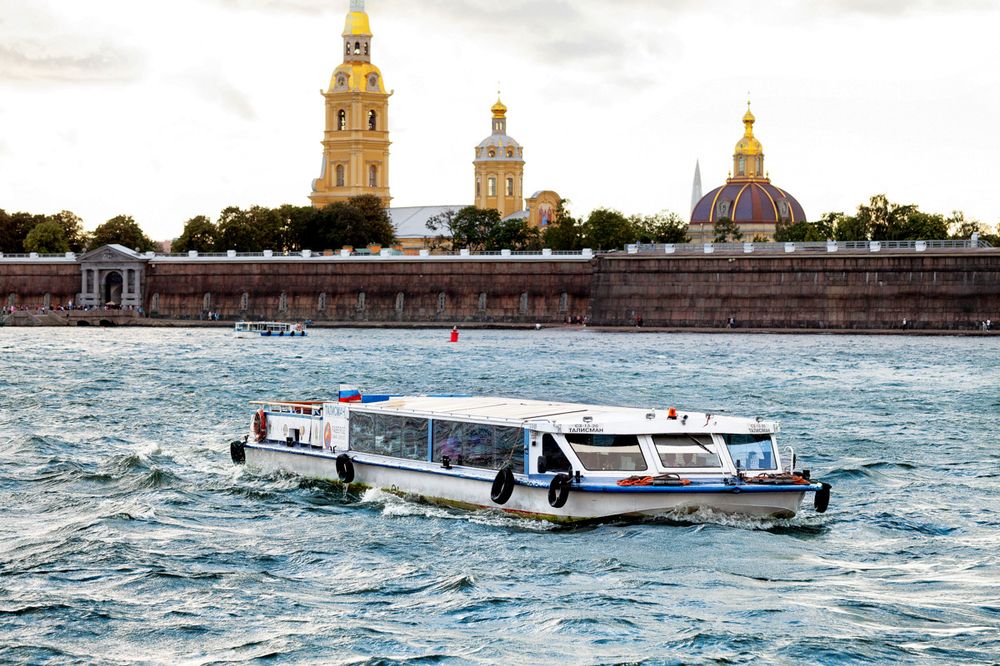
(454, 334)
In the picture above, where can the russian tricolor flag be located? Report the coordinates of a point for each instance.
(349, 394)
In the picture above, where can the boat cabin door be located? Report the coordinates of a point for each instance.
(548, 454)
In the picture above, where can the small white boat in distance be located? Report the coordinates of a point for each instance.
(268, 329)
(555, 461)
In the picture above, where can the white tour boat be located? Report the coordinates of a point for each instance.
(549, 460)
(268, 329)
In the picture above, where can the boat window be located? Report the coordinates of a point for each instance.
(385, 435)
(686, 451)
(555, 459)
(608, 452)
(750, 452)
(479, 445)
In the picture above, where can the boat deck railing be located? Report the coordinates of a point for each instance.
(296, 408)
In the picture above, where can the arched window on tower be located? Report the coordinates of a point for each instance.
(491, 186)
(357, 48)
(347, 48)
(340, 175)
(510, 187)
(479, 187)
(372, 121)
(342, 120)
(373, 176)
(366, 48)
(742, 170)
(760, 167)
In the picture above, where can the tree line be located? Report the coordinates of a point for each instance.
(483, 230)
(363, 220)
(878, 220)
(357, 222)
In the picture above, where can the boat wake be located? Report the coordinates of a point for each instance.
(394, 506)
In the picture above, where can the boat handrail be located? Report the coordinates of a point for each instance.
(791, 459)
(282, 407)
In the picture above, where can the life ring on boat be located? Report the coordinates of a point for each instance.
(559, 490)
(822, 500)
(503, 486)
(345, 468)
(260, 425)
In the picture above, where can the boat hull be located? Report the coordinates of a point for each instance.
(470, 489)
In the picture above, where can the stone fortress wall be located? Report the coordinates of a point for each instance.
(944, 290)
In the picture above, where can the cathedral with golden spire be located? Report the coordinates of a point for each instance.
(748, 198)
(356, 138)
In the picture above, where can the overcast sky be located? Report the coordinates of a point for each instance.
(164, 110)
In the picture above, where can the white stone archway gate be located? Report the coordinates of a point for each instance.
(97, 265)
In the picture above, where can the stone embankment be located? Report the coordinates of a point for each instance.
(940, 289)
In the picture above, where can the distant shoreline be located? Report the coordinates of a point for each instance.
(624, 330)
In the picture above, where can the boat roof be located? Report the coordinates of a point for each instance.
(565, 417)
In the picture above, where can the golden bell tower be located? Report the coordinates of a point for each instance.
(356, 140)
(499, 167)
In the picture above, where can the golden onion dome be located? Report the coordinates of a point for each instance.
(749, 145)
(498, 109)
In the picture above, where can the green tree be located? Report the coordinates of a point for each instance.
(300, 224)
(469, 227)
(73, 232)
(923, 226)
(664, 227)
(564, 233)
(341, 224)
(122, 230)
(727, 231)
(14, 229)
(514, 235)
(376, 225)
(885, 220)
(199, 234)
(608, 230)
(850, 228)
(800, 232)
(48, 237)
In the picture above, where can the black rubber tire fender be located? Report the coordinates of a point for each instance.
(822, 500)
(559, 490)
(238, 452)
(345, 468)
(503, 486)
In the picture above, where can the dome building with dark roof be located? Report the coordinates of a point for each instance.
(748, 198)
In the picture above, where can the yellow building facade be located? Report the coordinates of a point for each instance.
(499, 168)
(356, 139)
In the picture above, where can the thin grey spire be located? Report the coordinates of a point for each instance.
(696, 187)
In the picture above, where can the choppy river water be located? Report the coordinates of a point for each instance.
(127, 535)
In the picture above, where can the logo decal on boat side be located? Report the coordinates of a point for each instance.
(327, 435)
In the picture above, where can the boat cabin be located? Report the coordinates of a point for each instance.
(532, 437)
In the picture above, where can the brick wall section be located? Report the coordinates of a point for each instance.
(30, 281)
(839, 291)
(393, 291)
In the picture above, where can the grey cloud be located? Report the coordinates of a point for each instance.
(39, 63)
(213, 88)
(891, 8)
